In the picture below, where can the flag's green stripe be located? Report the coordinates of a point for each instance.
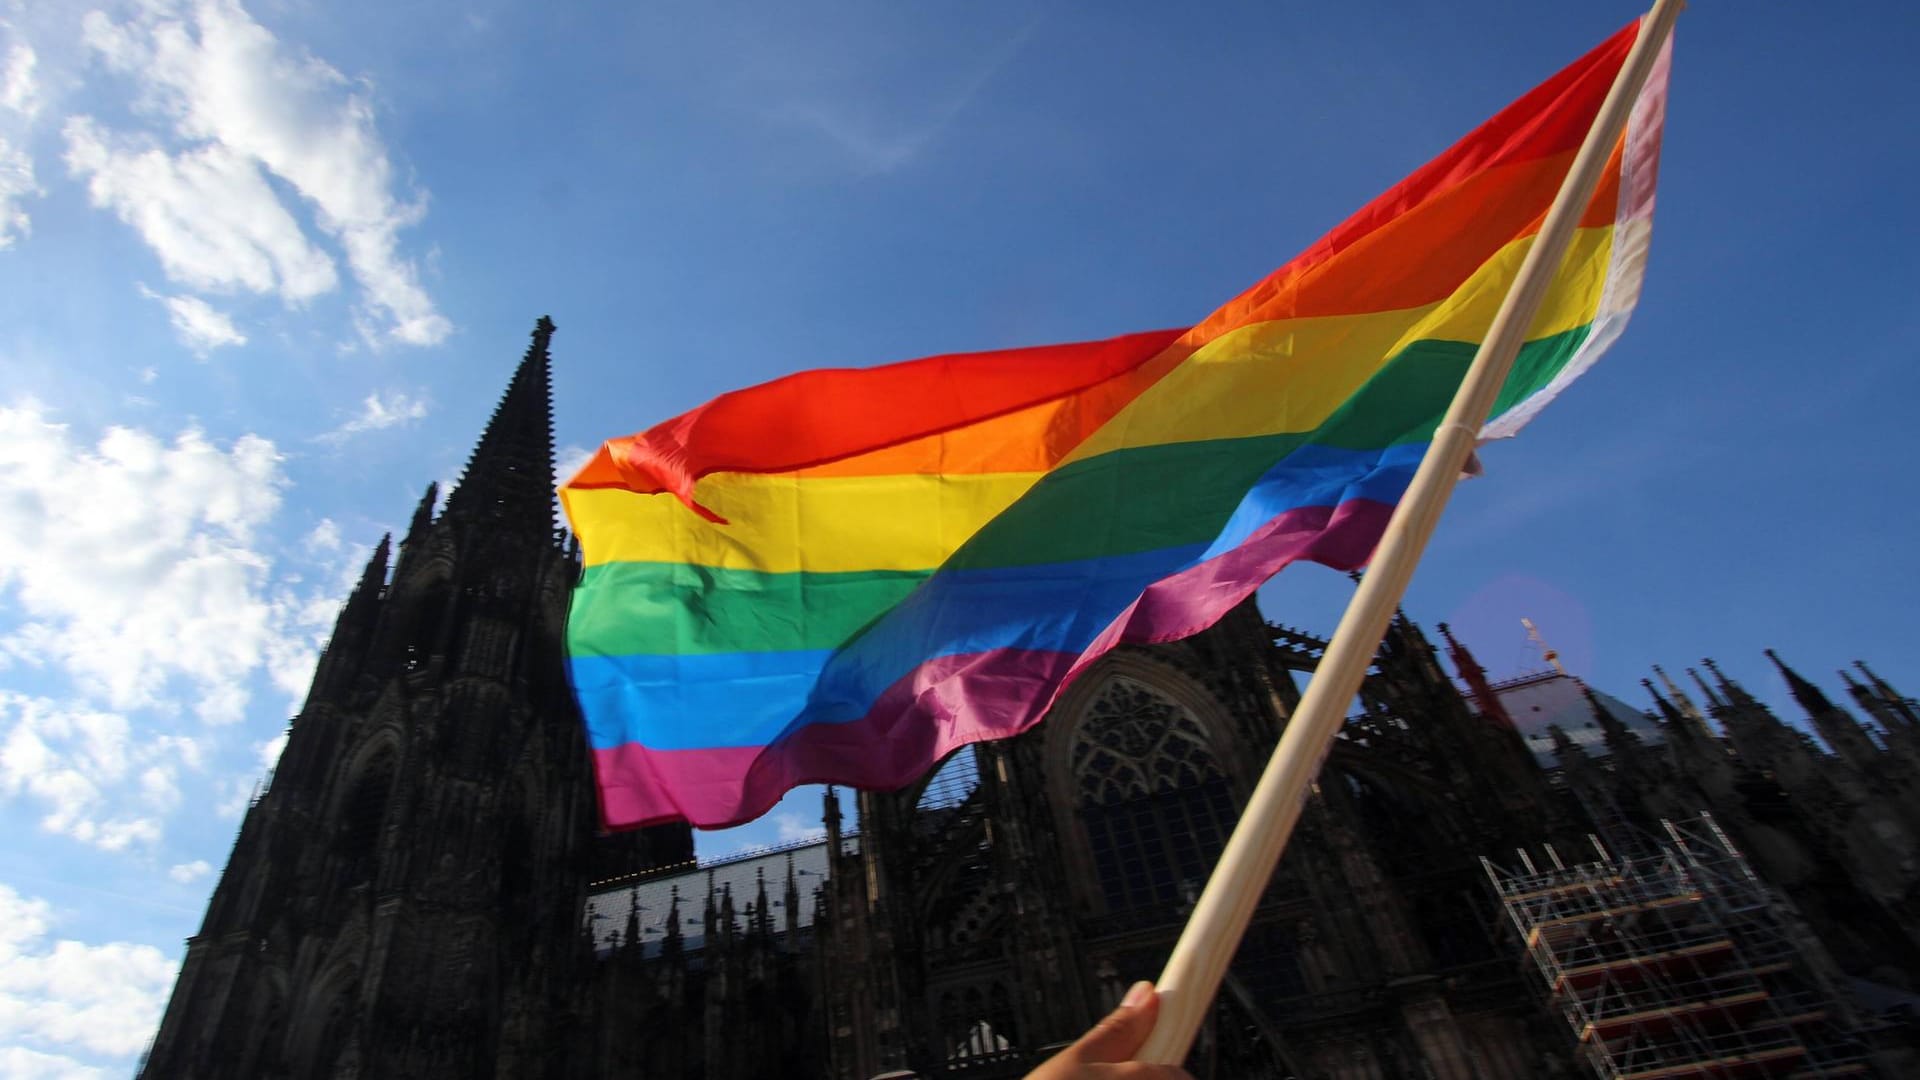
(626, 608)
(1144, 498)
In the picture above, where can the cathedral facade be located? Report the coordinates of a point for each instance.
(422, 890)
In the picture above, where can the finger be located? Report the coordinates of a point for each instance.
(1119, 1036)
(1137, 1070)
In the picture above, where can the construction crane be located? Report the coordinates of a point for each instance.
(1546, 653)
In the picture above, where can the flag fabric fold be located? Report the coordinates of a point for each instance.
(844, 575)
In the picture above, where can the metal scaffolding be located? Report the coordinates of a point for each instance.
(1677, 962)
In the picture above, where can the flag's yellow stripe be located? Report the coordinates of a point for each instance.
(782, 523)
(1289, 374)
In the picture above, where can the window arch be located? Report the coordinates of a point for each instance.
(977, 1025)
(325, 1023)
(363, 809)
(1156, 805)
(426, 622)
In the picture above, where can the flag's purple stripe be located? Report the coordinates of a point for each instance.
(951, 701)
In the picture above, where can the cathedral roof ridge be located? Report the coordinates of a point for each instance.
(1529, 678)
(758, 851)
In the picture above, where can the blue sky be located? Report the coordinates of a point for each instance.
(264, 269)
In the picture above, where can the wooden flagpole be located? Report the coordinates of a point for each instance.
(1212, 935)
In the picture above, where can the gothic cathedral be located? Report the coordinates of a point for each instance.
(422, 889)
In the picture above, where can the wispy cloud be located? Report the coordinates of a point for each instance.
(376, 413)
(19, 86)
(879, 144)
(199, 325)
(794, 828)
(19, 95)
(16, 184)
(190, 872)
(208, 213)
(239, 106)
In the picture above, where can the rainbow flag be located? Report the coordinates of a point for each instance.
(843, 575)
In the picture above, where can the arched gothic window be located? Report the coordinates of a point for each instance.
(1155, 802)
(977, 1025)
(425, 624)
(364, 809)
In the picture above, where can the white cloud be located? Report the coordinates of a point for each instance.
(16, 183)
(270, 750)
(188, 873)
(20, 1063)
(794, 828)
(378, 412)
(225, 84)
(95, 782)
(134, 560)
(68, 996)
(19, 89)
(199, 325)
(208, 213)
(570, 459)
(235, 794)
(20, 94)
(325, 537)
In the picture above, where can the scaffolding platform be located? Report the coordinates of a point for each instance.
(1675, 962)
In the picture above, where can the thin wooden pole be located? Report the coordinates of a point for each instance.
(1213, 931)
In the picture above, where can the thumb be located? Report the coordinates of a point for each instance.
(1120, 1035)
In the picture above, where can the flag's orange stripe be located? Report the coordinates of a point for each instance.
(1036, 438)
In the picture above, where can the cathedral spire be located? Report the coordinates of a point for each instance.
(509, 479)
(417, 529)
(1668, 713)
(1622, 740)
(633, 919)
(422, 515)
(353, 628)
(710, 918)
(1475, 677)
(762, 914)
(1736, 695)
(1896, 705)
(1873, 704)
(1678, 696)
(1842, 734)
(1847, 677)
(1570, 753)
(830, 813)
(1808, 695)
(374, 577)
(1714, 704)
(670, 945)
(1684, 725)
(792, 909)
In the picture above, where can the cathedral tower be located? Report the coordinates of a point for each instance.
(405, 897)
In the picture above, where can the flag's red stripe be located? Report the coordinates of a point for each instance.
(814, 417)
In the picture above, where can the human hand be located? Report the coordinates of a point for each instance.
(1106, 1052)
